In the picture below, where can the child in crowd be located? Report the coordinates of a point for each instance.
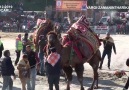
(53, 68)
(24, 71)
(7, 70)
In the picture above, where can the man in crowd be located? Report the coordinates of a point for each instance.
(7, 70)
(31, 42)
(1, 47)
(53, 68)
(33, 61)
(19, 47)
(41, 54)
(108, 43)
(25, 42)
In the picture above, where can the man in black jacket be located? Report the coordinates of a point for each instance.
(33, 60)
(7, 70)
(108, 43)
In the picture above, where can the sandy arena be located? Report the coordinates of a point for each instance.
(106, 79)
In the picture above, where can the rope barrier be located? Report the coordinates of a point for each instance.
(36, 64)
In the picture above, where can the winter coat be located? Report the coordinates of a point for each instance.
(23, 69)
(7, 69)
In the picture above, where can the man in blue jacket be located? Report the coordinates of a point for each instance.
(53, 68)
(7, 70)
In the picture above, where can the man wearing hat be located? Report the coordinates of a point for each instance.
(108, 43)
(1, 47)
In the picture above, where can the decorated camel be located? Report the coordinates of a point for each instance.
(43, 27)
(79, 46)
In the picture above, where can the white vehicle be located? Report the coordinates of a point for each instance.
(104, 26)
(101, 29)
(104, 20)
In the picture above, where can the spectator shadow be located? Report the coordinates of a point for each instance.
(16, 88)
(87, 81)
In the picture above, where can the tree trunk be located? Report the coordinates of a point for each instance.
(70, 17)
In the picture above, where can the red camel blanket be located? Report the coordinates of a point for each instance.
(87, 42)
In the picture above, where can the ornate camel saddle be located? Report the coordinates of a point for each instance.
(83, 40)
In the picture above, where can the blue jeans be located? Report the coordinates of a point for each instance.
(7, 83)
(24, 49)
(32, 80)
(108, 53)
(41, 57)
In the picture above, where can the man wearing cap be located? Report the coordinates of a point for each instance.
(108, 43)
(33, 61)
(1, 47)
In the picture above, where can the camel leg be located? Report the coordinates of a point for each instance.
(95, 70)
(79, 70)
(63, 74)
(95, 64)
(68, 71)
(95, 77)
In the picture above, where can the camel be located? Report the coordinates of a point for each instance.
(43, 27)
(70, 60)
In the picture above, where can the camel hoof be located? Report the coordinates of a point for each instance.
(82, 88)
(96, 87)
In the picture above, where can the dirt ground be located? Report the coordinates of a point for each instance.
(107, 81)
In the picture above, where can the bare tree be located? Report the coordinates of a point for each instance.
(70, 17)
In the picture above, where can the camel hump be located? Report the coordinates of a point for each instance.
(86, 41)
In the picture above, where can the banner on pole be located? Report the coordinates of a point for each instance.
(77, 5)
